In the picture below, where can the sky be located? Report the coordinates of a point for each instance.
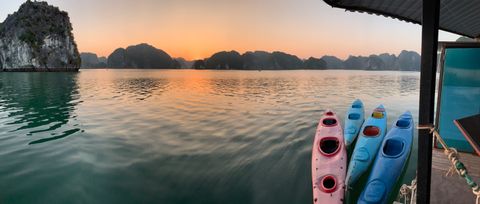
(196, 29)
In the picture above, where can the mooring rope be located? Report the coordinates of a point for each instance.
(411, 190)
(457, 165)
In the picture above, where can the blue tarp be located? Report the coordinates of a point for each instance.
(460, 93)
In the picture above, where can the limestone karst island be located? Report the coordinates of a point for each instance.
(38, 37)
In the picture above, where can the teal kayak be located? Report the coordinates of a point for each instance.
(369, 141)
(393, 154)
(353, 122)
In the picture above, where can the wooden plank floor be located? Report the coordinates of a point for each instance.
(452, 189)
(441, 162)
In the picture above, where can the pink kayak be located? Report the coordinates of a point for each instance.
(329, 161)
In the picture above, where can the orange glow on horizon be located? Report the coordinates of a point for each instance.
(198, 29)
(205, 49)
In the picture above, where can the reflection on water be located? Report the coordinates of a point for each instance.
(262, 89)
(225, 87)
(140, 88)
(175, 136)
(35, 103)
(408, 84)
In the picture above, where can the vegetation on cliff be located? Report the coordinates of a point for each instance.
(38, 36)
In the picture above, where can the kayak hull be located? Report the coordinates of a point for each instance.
(368, 143)
(329, 160)
(354, 119)
(394, 154)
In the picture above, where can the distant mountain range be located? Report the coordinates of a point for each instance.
(91, 60)
(146, 56)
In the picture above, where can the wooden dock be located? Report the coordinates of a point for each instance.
(452, 189)
(471, 161)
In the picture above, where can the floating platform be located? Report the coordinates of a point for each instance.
(452, 189)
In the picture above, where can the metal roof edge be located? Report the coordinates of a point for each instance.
(447, 44)
(334, 3)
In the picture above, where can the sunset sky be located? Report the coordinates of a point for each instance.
(196, 29)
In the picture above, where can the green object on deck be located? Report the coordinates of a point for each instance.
(470, 182)
(459, 165)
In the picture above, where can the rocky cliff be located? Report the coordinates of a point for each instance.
(465, 39)
(409, 61)
(38, 37)
(91, 60)
(199, 64)
(225, 60)
(181, 63)
(333, 62)
(140, 56)
(258, 60)
(406, 61)
(147, 56)
(315, 63)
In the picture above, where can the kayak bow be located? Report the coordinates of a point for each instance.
(329, 160)
(353, 122)
(369, 141)
(390, 162)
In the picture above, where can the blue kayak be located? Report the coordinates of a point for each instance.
(353, 122)
(369, 141)
(390, 161)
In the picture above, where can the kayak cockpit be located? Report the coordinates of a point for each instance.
(403, 123)
(378, 114)
(393, 147)
(353, 116)
(371, 131)
(329, 122)
(328, 184)
(329, 146)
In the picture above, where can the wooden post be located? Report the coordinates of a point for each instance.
(431, 10)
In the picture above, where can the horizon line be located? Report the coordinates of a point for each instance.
(241, 53)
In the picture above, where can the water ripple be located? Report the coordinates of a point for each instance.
(37, 103)
(175, 136)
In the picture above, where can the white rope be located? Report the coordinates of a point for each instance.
(477, 193)
(454, 157)
(407, 190)
(451, 153)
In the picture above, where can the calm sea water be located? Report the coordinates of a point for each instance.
(176, 136)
